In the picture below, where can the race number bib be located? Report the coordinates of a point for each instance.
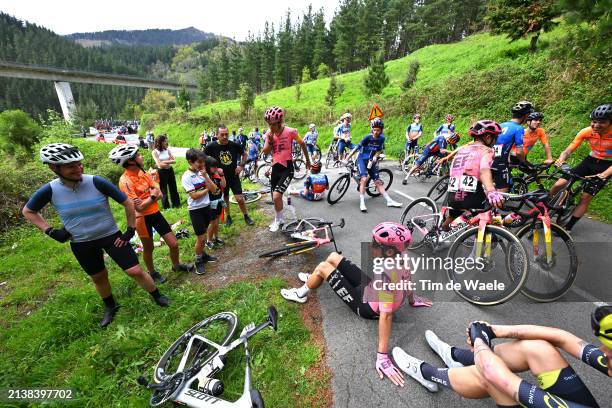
(468, 184)
(453, 184)
(498, 150)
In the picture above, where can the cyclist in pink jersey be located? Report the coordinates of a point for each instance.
(279, 140)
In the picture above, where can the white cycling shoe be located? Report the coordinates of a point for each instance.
(412, 366)
(303, 276)
(363, 207)
(274, 227)
(393, 203)
(442, 349)
(291, 294)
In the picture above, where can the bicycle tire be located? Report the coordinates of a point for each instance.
(262, 178)
(438, 192)
(299, 169)
(289, 249)
(553, 287)
(401, 158)
(290, 228)
(387, 181)
(519, 186)
(160, 372)
(341, 186)
(249, 197)
(423, 219)
(515, 259)
(409, 163)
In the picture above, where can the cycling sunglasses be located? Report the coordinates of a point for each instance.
(596, 317)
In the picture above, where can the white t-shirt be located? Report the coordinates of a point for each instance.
(193, 181)
(163, 154)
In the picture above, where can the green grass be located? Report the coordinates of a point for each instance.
(49, 335)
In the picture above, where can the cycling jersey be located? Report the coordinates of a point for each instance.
(369, 145)
(311, 137)
(281, 145)
(601, 145)
(314, 187)
(530, 138)
(138, 184)
(414, 128)
(445, 129)
(193, 181)
(511, 135)
(437, 144)
(342, 129)
(253, 151)
(84, 209)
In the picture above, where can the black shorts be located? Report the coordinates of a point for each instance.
(281, 177)
(233, 183)
(215, 212)
(502, 177)
(145, 225)
(200, 218)
(589, 167)
(346, 282)
(461, 201)
(90, 254)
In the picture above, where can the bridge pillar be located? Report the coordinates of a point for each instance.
(64, 93)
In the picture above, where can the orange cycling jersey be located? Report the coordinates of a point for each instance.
(530, 138)
(138, 185)
(601, 145)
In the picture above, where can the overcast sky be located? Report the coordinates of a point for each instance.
(231, 18)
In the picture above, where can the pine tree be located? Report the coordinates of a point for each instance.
(247, 99)
(332, 94)
(376, 79)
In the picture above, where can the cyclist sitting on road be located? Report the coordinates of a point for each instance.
(368, 300)
(437, 147)
(413, 132)
(483, 371)
(533, 133)
(144, 192)
(314, 185)
(598, 163)
(216, 202)
(311, 139)
(343, 134)
(370, 148)
(279, 141)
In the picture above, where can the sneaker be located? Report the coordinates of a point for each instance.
(219, 241)
(157, 277)
(109, 314)
(363, 207)
(228, 221)
(209, 258)
(274, 226)
(182, 267)
(248, 220)
(393, 203)
(442, 349)
(404, 182)
(303, 276)
(162, 301)
(412, 367)
(291, 294)
(210, 245)
(200, 268)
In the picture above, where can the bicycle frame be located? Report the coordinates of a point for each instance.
(310, 235)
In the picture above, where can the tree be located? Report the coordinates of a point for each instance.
(298, 91)
(156, 101)
(333, 92)
(305, 75)
(86, 113)
(18, 129)
(411, 75)
(246, 95)
(183, 99)
(322, 71)
(521, 18)
(376, 79)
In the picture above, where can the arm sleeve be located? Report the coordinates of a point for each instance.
(452, 128)
(109, 189)
(439, 129)
(40, 198)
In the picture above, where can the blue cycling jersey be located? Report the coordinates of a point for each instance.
(438, 144)
(343, 129)
(511, 135)
(253, 150)
(370, 145)
(414, 127)
(445, 129)
(311, 137)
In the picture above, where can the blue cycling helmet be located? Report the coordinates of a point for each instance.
(377, 123)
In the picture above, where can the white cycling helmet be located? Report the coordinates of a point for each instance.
(123, 153)
(311, 126)
(346, 116)
(60, 153)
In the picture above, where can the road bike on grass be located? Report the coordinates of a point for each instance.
(311, 233)
(186, 372)
(339, 188)
(250, 196)
(264, 172)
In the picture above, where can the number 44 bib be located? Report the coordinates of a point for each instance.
(463, 183)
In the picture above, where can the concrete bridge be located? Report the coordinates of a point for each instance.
(62, 78)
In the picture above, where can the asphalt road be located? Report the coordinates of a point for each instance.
(352, 342)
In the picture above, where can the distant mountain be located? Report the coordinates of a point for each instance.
(141, 37)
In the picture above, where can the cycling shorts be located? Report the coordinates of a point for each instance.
(346, 283)
(427, 153)
(145, 225)
(531, 396)
(232, 183)
(200, 218)
(362, 166)
(343, 144)
(310, 148)
(589, 167)
(90, 254)
(311, 196)
(412, 144)
(461, 201)
(502, 176)
(281, 177)
(215, 212)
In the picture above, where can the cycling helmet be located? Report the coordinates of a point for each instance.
(311, 126)
(377, 123)
(392, 234)
(449, 117)
(416, 116)
(121, 154)
(346, 116)
(602, 112)
(601, 322)
(535, 116)
(315, 168)
(60, 153)
(522, 108)
(453, 138)
(274, 115)
(485, 127)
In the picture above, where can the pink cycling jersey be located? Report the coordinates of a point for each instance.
(470, 159)
(281, 145)
(388, 300)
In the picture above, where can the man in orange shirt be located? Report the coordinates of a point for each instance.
(141, 189)
(598, 163)
(533, 133)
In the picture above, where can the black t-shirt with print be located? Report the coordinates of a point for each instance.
(228, 155)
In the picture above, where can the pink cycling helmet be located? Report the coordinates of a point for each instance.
(392, 234)
(485, 127)
(449, 117)
(274, 115)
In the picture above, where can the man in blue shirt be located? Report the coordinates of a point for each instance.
(446, 128)
(413, 133)
(311, 139)
(512, 135)
(370, 148)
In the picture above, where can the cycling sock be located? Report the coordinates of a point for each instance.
(362, 197)
(437, 375)
(155, 294)
(302, 291)
(387, 196)
(109, 302)
(463, 356)
(279, 217)
(571, 222)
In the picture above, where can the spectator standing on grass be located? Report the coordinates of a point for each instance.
(167, 180)
(150, 139)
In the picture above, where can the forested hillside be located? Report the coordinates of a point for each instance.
(145, 37)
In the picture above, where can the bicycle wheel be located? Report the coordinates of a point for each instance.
(420, 217)
(249, 197)
(498, 270)
(299, 169)
(519, 186)
(386, 176)
(264, 173)
(401, 158)
(219, 328)
(294, 226)
(289, 249)
(338, 189)
(549, 277)
(438, 192)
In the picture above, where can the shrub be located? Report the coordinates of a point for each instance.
(17, 129)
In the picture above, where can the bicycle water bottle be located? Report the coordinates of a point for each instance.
(212, 387)
(291, 208)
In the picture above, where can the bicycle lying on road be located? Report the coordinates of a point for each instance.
(311, 233)
(341, 185)
(185, 373)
